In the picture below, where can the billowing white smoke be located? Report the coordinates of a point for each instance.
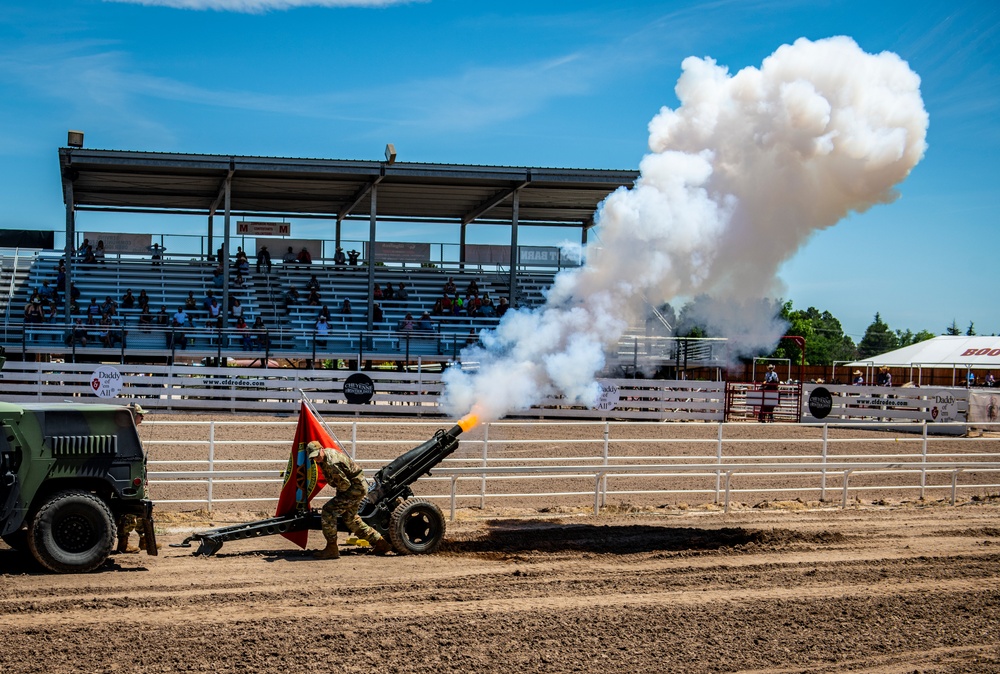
(739, 177)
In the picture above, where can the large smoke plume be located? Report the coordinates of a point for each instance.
(738, 178)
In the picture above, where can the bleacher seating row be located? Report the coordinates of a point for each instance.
(168, 284)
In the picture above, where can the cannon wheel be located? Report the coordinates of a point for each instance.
(72, 532)
(416, 527)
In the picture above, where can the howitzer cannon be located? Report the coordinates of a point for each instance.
(412, 525)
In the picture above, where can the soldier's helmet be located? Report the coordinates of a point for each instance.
(313, 449)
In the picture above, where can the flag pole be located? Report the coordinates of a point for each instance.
(315, 412)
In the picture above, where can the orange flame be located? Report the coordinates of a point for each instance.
(468, 421)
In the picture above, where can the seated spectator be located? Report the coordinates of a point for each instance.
(88, 256)
(377, 315)
(218, 278)
(377, 293)
(94, 309)
(457, 305)
(77, 334)
(291, 299)
(449, 286)
(243, 330)
(345, 308)
(437, 309)
(239, 281)
(128, 299)
(83, 248)
(240, 255)
(111, 333)
(145, 317)
(109, 306)
(190, 304)
(61, 277)
(389, 293)
(314, 299)
(401, 293)
(52, 313)
(46, 292)
(207, 301)
(487, 309)
(324, 311)
(243, 266)
(236, 311)
(339, 258)
(322, 331)
(93, 327)
(312, 283)
(472, 288)
(163, 318)
(289, 257)
(502, 309)
(33, 310)
(99, 252)
(304, 256)
(445, 305)
(472, 304)
(176, 335)
(214, 308)
(143, 300)
(181, 317)
(424, 323)
(407, 324)
(352, 257)
(259, 334)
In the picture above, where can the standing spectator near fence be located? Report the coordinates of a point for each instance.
(990, 382)
(263, 260)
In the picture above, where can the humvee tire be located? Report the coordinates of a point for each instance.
(73, 532)
(416, 527)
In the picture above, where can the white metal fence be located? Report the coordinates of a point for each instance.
(542, 463)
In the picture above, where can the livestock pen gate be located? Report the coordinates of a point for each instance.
(748, 401)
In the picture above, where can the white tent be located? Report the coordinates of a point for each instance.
(952, 352)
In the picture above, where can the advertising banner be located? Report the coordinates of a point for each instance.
(117, 243)
(394, 251)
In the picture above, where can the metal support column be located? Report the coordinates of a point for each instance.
(515, 205)
(371, 254)
(70, 252)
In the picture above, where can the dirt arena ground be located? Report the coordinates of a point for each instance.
(787, 586)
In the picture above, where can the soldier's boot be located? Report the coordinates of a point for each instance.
(331, 551)
(122, 544)
(381, 547)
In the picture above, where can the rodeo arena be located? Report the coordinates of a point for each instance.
(171, 388)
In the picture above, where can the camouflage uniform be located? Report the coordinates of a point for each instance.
(126, 525)
(346, 477)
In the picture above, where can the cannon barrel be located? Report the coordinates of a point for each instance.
(405, 469)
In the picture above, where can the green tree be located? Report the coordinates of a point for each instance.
(906, 337)
(878, 339)
(824, 335)
(952, 329)
(971, 332)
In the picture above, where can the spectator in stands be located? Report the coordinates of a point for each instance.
(61, 277)
(181, 317)
(449, 286)
(352, 257)
(312, 283)
(94, 309)
(243, 330)
(472, 304)
(82, 250)
(324, 311)
(110, 332)
(88, 255)
(289, 257)
(52, 310)
(884, 377)
(377, 315)
(437, 309)
(33, 310)
(259, 334)
(407, 324)
(989, 382)
(176, 335)
(145, 317)
(239, 281)
(218, 280)
(74, 295)
(457, 305)
(243, 266)
(109, 306)
(128, 299)
(424, 323)
(338, 257)
(472, 288)
(304, 256)
(859, 379)
(46, 292)
(156, 253)
(445, 304)
(488, 309)
(377, 293)
(240, 255)
(191, 304)
(163, 318)
(389, 293)
(214, 309)
(143, 300)
(345, 308)
(322, 331)
(314, 299)
(502, 309)
(77, 334)
(236, 311)
(291, 299)
(263, 260)
(99, 252)
(401, 294)
(206, 302)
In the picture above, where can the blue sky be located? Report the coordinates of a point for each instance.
(560, 84)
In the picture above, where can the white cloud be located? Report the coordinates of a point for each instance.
(261, 6)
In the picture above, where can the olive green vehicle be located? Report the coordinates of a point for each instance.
(69, 474)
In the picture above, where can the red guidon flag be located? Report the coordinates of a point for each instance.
(303, 479)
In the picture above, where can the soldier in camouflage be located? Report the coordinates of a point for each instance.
(343, 474)
(130, 523)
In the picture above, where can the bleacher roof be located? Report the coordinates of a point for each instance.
(114, 180)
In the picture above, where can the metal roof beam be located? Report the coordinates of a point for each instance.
(358, 196)
(222, 189)
(492, 202)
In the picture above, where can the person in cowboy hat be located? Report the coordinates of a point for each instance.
(343, 475)
(859, 379)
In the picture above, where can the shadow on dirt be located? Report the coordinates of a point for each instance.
(17, 563)
(512, 536)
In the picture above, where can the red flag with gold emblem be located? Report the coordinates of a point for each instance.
(303, 479)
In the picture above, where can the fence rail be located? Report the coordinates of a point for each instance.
(515, 462)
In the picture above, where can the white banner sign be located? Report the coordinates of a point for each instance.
(259, 228)
(106, 382)
(132, 244)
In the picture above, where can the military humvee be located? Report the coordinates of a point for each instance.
(69, 474)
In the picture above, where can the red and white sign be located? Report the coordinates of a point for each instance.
(262, 228)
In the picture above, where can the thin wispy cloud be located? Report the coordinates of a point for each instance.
(261, 6)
